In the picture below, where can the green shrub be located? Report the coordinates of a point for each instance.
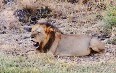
(110, 17)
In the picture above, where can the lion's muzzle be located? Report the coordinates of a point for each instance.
(35, 44)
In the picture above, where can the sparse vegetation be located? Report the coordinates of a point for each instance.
(18, 55)
(110, 17)
(28, 15)
(45, 64)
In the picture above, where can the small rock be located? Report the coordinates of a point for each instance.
(107, 54)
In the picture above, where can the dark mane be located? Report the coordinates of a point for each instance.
(49, 43)
(50, 25)
(51, 39)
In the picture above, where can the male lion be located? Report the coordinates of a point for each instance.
(49, 39)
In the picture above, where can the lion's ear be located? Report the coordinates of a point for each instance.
(49, 29)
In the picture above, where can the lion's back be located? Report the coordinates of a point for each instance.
(74, 45)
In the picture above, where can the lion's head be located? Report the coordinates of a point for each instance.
(43, 35)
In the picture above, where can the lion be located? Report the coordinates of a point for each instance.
(48, 39)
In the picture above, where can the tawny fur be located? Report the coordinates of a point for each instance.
(65, 45)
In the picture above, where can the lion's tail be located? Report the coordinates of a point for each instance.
(97, 45)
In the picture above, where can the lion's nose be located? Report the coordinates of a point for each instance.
(32, 36)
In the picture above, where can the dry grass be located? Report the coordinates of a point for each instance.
(48, 64)
(19, 56)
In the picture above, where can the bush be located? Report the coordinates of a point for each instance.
(110, 17)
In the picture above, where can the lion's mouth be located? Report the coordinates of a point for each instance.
(36, 44)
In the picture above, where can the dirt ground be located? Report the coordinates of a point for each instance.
(15, 40)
